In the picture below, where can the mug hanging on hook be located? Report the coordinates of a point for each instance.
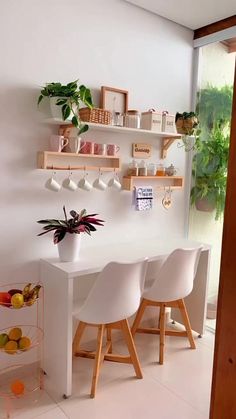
(114, 182)
(167, 200)
(84, 183)
(98, 183)
(52, 183)
(68, 183)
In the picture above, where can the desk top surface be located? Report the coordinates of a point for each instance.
(93, 259)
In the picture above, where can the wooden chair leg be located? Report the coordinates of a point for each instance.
(109, 340)
(97, 360)
(131, 347)
(186, 321)
(139, 316)
(162, 333)
(78, 335)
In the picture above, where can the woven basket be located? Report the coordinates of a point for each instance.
(97, 115)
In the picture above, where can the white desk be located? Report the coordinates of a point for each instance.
(58, 279)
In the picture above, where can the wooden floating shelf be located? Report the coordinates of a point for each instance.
(177, 182)
(52, 160)
(167, 137)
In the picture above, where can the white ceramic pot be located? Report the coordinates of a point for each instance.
(56, 109)
(69, 247)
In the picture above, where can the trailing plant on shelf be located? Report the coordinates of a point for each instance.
(68, 97)
(187, 124)
(77, 224)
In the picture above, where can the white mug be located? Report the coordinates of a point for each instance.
(99, 184)
(114, 183)
(58, 142)
(85, 184)
(52, 184)
(75, 144)
(68, 183)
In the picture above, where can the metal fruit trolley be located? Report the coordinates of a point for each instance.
(21, 370)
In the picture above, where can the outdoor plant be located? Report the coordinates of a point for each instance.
(210, 170)
(77, 224)
(69, 98)
(211, 159)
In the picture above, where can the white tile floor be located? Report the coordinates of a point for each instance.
(180, 388)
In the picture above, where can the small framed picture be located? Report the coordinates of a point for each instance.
(114, 100)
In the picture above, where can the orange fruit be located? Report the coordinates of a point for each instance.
(11, 347)
(17, 387)
(24, 343)
(15, 333)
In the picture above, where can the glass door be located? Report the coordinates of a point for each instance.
(209, 169)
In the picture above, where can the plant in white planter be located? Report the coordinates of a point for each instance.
(67, 232)
(65, 101)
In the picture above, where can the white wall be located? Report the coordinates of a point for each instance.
(102, 42)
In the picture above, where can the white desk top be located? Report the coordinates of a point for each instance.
(94, 259)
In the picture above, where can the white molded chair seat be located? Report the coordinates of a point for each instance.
(114, 297)
(174, 281)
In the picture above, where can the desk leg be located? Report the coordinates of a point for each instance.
(58, 303)
(196, 302)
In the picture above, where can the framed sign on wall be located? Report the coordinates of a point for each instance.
(114, 100)
(141, 150)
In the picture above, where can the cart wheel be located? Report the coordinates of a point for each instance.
(65, 396)
(199, 336)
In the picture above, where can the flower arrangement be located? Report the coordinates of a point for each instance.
(78, 223)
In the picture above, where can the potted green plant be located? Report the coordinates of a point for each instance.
(210, 173)
(65, 101)
(67, 232)
(187, 124)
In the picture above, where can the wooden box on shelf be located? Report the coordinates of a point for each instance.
(175, 182)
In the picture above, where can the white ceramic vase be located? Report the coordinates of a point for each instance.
(56, 109)
(69, 247)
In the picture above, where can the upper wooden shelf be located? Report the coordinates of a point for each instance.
(175, 182)
(52, 160)
(167, 137)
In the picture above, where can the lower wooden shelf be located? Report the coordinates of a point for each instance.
(52, 160)
(177, 182)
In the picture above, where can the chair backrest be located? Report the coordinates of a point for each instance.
(175, 278)
(116, 293)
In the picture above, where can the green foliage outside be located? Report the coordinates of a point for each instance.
(211, 159)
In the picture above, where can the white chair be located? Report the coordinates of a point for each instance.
(173, 283)
(114, 297)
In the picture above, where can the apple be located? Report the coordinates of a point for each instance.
(5, 299)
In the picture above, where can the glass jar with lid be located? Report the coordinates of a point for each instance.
(118, 119)
(160, 170)
(142, 169)
(132, 119)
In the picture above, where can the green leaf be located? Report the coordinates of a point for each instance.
(83, 128)
(75, 121)
(39, 99)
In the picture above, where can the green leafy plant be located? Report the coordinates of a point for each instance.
(187, 124)
(78, 223)
(69, 98)
(210, 170)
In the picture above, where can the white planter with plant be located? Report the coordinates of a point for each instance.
(67, 232)
(65, 101)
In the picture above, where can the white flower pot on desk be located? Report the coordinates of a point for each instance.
(69, 247)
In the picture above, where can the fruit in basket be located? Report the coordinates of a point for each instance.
(14, 291)
(17, 387)
(15, 333)
(3, 339)
(32, 295)
(17, 300)
(24, 343)
(11, 347)
(26, 292)
(5, 299)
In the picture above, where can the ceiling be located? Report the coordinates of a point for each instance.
(190, 13)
